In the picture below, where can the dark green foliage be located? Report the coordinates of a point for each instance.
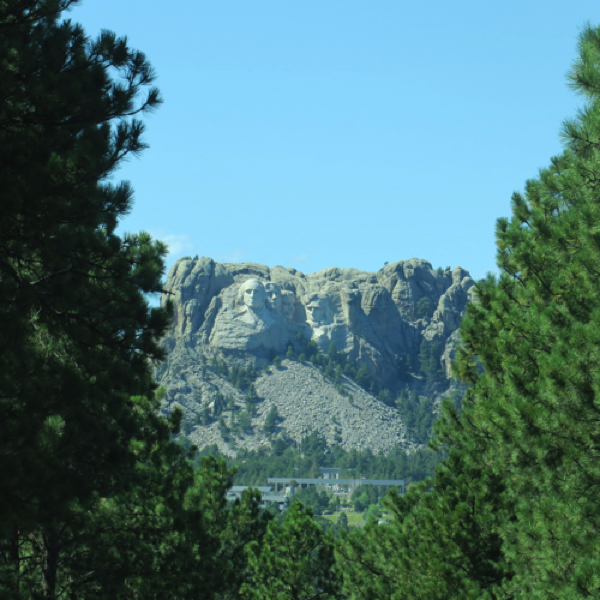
(239, 376)
(242, 377)
(205, 416)
(439, 546)
(271, 420)
(430, 365)
(223, 429)
(404, 367)
(364, 496)
(290, 354)
(77, 334)
(313, 445)
(251, 395)
(425, 308)
(96, 501)
(337, 378)
(535, 332)
(334, 364)
(294, 561)
(170, 534)
(219, 405)
(279, 446)
(318, 500)
(283, 460)
(222, 369)
(443, 534)
(221, 559)
(363, 378)
(230, 403)
(417, 415)
(332, 351)
(386, 397)
(374, 512)
(244, 422)
(513, 511)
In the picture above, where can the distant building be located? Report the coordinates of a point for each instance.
(268, 497)
(281, 501)
(330, 473)
(236, 491)
(350, 484)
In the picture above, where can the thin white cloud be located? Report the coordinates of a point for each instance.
(178, 245)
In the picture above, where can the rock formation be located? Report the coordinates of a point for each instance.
(249, 313)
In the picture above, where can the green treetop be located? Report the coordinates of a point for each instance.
(77, 334)
(294, 561)
(536, 333)
(513, 511)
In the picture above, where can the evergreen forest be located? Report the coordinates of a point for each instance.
(98, 501)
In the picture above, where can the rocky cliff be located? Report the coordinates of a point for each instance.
(353, 341)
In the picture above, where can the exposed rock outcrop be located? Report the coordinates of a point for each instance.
(248, 313)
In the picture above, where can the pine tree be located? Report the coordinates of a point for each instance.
(513, 511)
(77, 335)
(271, 420)
(531, 350)
(442, 541)
(294, 561)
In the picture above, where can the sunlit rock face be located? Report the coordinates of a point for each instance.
(378, 318)
(250, 318)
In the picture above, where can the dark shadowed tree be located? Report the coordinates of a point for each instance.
(77, 335)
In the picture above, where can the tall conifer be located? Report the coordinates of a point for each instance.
(76, 332)
(522, 479)
(535, 332)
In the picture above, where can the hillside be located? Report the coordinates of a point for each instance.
(257, 353)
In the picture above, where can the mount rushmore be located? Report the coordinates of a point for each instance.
(247, 314)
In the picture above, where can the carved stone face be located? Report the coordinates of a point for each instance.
(273, 296)
(316, 312)
(288, 300)
(253, 294)
(190, 314)
(190, 307)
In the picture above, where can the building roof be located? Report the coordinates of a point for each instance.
(336, 481)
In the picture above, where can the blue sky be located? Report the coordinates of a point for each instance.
(343, 133)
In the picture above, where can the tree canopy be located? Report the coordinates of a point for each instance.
(77, 400)
(513, 512)
(96, 499)
(77, 333)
